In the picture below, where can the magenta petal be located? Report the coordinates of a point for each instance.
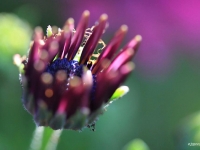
(47, 42)
(88, 81)
(123, 72)
(78, 36)
(69, 24)
(51, 44)
(34, 79)
(67, 41)
(134, 43)
(93, 40)
(59, 87)
(110, 49)
(73, 95)
(110, 81)
(62, 106)
(53, 49)
(103, 79)
(33, 54)
(121, 59)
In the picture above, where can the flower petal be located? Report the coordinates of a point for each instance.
(110, 49)
(78, 36)
(93, 40)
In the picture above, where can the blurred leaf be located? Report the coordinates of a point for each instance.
(15, 37)
(188, 135)
(136, 144)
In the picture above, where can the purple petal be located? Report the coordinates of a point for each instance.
(123, 73)
(33, 54)
(67, 41)
(122, 58)
(110, 49)
(93, 40)
(78, 36)
(103, 80)
(134, 43)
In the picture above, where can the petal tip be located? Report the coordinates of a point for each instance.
(138, 38)
(124, 28)
(127, 68)
(38, 33)
(86, 13)
(70, 20)
(104, 17)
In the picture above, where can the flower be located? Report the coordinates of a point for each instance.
(71, 75)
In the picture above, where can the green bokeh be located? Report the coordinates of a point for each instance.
(136, 144)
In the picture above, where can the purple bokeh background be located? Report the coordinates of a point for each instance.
(170, 29)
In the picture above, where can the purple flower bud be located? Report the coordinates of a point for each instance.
(67, 79)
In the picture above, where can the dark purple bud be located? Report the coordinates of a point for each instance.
(63, 86)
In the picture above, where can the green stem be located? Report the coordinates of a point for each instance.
(53, 141)
(37, 139)
(45, 139)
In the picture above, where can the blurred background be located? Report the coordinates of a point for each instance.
(164, 99)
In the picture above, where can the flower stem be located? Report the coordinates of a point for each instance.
(53, 141)
(36, 142)
(45, 139)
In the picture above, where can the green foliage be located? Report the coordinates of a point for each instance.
(136, 144)
(188, 134)
(15, 35)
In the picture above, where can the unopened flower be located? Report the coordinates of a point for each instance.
(71, 75)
